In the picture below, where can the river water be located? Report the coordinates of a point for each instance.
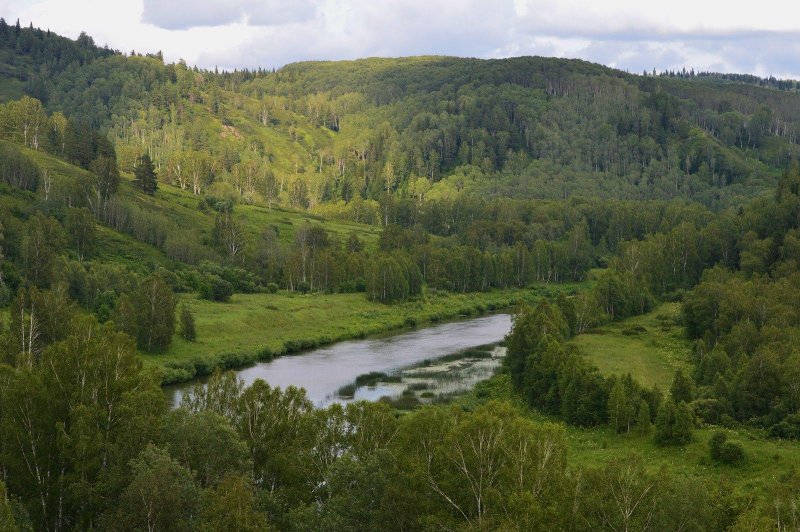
(326, 370)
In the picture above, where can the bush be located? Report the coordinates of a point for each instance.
(215, 288)
(303, 287)
(788, 428)
(725, 452)
(188, 330)
(732, 454)
(272, 288)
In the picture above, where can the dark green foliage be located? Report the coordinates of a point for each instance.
(551, 375)
(188, 330)
(154, 311)
(682, 388)
(674, 424)
(215, 288)
(162, 494)
(145, 175)
(724, 451)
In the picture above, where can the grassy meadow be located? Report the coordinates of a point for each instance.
(650, 347)
(765, 459)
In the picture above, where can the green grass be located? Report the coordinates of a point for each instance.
(649, 347)
(257, 326)
(765, 459)
(181, 208)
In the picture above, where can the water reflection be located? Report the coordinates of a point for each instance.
(324, 371)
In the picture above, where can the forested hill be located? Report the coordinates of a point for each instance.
(355, 139)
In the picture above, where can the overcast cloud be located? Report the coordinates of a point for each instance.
(761, 38)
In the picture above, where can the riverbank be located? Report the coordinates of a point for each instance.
(257, 327)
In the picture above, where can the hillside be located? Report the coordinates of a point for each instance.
(384, 132)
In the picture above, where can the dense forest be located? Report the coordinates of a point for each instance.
(131, 188)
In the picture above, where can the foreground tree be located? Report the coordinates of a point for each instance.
(162, 495)
(70, 422)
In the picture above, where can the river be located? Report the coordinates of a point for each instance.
(323, 372)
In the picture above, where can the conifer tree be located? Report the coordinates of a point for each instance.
(145, 175)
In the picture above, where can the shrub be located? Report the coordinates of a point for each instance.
(732, 454)
(215, 288)
(725, 452)
(272, 288)
(188, 330)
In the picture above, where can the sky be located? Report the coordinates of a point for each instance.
(761, 38)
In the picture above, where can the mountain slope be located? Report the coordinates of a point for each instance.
(317, 135)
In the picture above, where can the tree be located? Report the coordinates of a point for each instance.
(619, 411)
(162, 495)
(81, 229)
(43, 241)
(188, 331)
(28, 121)
(623, 495)
(354, 244)
(80, 411)
(674, 425)
(681, 389)
(145, 174)
(154, 305)
(665, 421)
(205, 443)
(229, 235)
(532, 329)
(231, 507)
(684, 424)
(101, 184)
(386, 281)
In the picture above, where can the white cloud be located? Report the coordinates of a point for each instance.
(179, 14)
(762, 38)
